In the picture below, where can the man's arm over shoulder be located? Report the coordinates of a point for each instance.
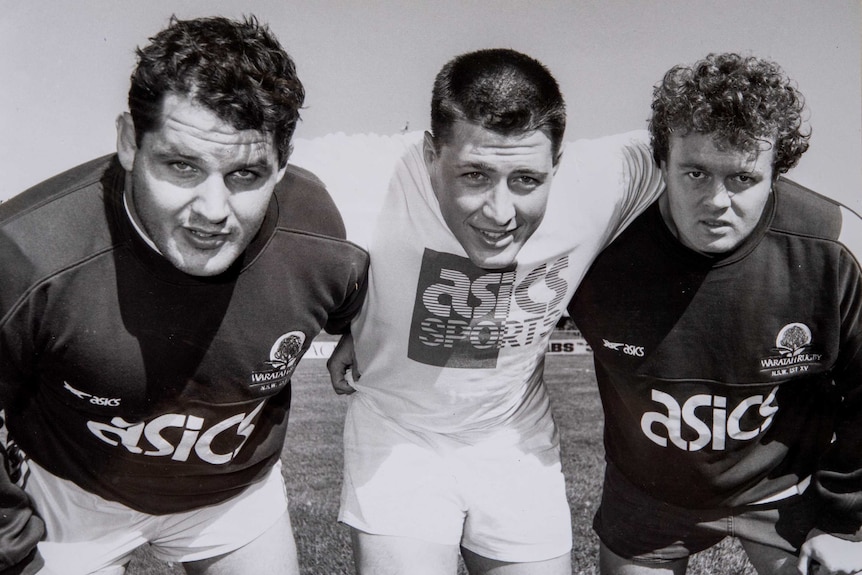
(356, 170)
(617, 169)
(640, 179)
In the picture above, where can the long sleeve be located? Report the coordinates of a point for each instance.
(839, 480)
(20, 528)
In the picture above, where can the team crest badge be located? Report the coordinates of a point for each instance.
(794, 354)
(283, 357)
(793, 339)
(285, 351)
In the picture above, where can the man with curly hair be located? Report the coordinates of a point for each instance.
(727, 337)
(153, 307)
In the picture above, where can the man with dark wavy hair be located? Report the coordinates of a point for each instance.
(726, 324)
(153, 308)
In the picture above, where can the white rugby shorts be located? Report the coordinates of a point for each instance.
(490, 496)
(87, 534)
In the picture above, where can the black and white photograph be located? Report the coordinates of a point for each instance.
(431, 288)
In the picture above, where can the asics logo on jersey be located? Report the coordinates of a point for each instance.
(93, 399)
(463, 315)
(628, 349)
(179, 436)
(707, 420)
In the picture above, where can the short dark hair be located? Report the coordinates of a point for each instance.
(501, 90)
(237, 69)
(739, 100)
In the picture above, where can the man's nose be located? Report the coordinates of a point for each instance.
(499, 206)
(211, 201)
(719, 196)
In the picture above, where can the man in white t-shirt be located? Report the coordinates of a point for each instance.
(450, 444)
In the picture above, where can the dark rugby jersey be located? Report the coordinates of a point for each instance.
(142, 384)
(723, 379)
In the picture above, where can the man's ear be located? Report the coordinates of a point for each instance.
(126, 144)
(429, 152)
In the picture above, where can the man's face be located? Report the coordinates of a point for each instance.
(200, 187)
(715, 195)
(492, 189)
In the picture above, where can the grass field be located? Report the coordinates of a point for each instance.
(312, 469)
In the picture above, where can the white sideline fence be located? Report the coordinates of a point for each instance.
(567, 346)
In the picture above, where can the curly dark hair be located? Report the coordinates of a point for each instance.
(501, 90)
(743, 101)
(237, 69)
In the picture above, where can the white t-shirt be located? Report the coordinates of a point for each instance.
(442, 345)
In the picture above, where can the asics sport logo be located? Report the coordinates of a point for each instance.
(707, 420)
(463, 315)
(179, 436)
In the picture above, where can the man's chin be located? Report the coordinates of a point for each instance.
(203, 266)
(493, 261)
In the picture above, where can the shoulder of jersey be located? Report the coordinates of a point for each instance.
(801, 211)
(56, 187)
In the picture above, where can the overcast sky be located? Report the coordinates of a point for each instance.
(368, 66)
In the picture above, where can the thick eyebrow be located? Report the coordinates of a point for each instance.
(531, 172)
(477, 166)
(170, 152)
(692, 166)
(484, 167)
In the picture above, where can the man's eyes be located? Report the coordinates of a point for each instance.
(527, 182)
(741, 178)
(245, 175)
(182, 167)
(474, 176)
(523, 182)
(185, 169)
